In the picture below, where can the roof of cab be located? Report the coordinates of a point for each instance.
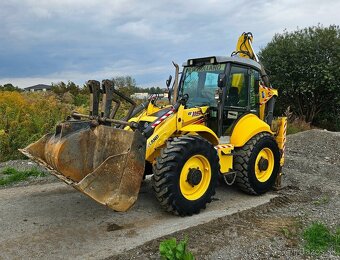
(234, 59)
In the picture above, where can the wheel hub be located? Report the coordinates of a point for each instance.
(263, 164)
(194, 176)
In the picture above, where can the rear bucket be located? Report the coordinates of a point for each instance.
(103, 162)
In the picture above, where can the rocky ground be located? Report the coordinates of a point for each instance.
(273, 231)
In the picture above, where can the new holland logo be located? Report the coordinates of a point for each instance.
(153, 140)
(195, 113)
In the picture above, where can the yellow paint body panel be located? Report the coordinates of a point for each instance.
(152, 109)
(246, 127)
(281, 136)
(190, 116)
(264, 95)
(159, 138)
(201, 130)
(182, 122)
(225, 157)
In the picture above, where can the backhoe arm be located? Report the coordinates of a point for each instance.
(245, 49)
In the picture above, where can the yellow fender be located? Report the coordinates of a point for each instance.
(246, 127)
(203, 131)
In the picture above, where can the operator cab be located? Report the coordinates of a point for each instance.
(228, 85)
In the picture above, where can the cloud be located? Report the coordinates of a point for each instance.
(122, 69)
(81, 39)
(137, 28)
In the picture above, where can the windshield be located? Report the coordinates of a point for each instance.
(200, 83)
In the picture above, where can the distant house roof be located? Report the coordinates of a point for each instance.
(39, 87)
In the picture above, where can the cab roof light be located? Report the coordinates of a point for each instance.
(199, 61)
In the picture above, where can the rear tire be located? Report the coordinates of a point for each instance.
(257, 164)
(186, 175)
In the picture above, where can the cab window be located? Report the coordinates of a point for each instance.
(237, 89)
(200, 83)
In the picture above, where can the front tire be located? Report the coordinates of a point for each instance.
(186, 175)
(257, 164)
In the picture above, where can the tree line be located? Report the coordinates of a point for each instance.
(304, 66)
(10, 87)
(126, 84)
(73, 93)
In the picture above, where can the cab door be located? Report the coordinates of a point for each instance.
(241, 95)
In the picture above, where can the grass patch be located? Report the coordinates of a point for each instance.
(11, 175)
(336, 241)
(318, 239)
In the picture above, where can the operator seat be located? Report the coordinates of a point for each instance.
(233, 97)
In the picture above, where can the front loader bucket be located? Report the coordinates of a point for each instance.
(104, 162)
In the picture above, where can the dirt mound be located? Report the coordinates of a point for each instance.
(313, 159)
(315, 144)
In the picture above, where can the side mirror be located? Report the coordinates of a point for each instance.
(169, 95)
(168, 81)
(222, 80)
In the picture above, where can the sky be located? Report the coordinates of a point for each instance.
(61, 40)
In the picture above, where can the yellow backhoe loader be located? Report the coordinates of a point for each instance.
(219, 123)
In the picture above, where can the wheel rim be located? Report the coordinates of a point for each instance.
(264, 165)
(192, 187)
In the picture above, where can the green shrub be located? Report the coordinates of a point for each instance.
(81, 100)
(171, 250)
(25, 117)
(302, 66)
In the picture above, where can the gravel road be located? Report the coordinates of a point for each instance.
(54, 221)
